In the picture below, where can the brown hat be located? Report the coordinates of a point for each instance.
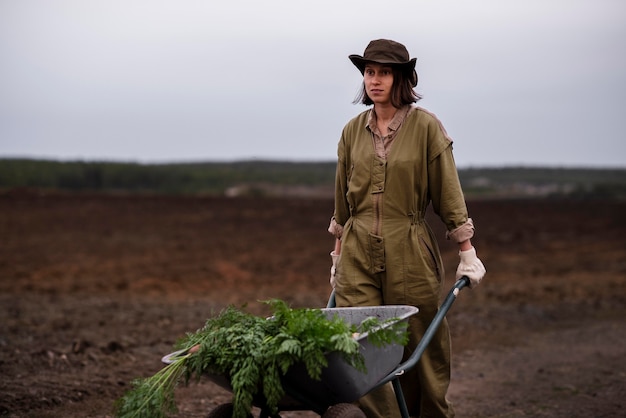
(385, 51)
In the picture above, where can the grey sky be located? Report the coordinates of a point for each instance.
(534, 82)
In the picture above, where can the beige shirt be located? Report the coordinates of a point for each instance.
(382, 144)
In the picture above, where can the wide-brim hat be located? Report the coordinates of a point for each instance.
(385, 51)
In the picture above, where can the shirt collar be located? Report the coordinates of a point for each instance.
(396, 121)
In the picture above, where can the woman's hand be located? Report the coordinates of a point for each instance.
(470, 266)
(333, 268)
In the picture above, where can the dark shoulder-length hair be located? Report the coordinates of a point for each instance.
(402, 92)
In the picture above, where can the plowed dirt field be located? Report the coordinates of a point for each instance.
(95, 289)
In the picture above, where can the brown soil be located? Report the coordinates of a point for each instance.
(95, 289)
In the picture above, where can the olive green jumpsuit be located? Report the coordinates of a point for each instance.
(389, 255)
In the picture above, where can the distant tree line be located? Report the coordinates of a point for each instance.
(261, 177)
(545, 182)
(182, 178)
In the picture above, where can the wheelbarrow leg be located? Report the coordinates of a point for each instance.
(404, 411)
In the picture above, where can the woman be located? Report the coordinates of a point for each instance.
(395, 159)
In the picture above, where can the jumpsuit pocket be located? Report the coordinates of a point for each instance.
(429, 256)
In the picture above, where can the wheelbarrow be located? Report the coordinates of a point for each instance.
(333, 395)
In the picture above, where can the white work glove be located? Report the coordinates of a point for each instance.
(471, 267)
(333, 268)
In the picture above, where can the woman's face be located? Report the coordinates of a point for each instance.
(378, 80)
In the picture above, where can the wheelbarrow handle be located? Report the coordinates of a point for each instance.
(430, 331)
(331, 300)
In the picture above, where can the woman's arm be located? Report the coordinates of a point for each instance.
(337, 249)
(465, 245)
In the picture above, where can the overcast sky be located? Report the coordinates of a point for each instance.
(533, 82)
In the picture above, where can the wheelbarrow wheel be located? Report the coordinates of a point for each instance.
(344, 410)
(224, 410)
